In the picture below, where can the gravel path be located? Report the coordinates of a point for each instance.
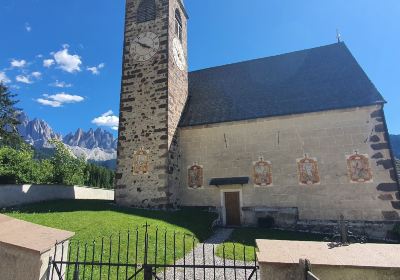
(209, 247)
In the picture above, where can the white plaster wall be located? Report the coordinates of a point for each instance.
(328, 136)
(11, 195)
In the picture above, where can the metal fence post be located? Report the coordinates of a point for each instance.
(76, 274)
(49, 268)
(148, 272)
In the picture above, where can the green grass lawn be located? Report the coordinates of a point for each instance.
(93, 220)
(243, 241)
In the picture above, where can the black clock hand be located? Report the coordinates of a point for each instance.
(143, 45)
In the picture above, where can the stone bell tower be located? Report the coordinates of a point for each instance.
(154, 91)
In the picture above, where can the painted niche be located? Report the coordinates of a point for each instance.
(262, 173)
(141, 162)
(358, 168)
(308, 171)
(195, 176)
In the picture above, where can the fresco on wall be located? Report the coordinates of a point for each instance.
(195, 176)
(308, 171)
(141, 162)
(262, 173)
(359, 169)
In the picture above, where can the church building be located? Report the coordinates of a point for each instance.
(298, 137)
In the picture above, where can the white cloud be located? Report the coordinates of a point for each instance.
(27, 79)
(60, 84)
(59, 99)
(36, 74)
(66, 61)
(48, 63)
(18, 63)
(107, 119)
(3, 78)
(28, 27)
(95, 69)
(47, 102)
(15, 86)
(23, 79)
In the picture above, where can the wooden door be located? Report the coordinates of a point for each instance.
(232, 208)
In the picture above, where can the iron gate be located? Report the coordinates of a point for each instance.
(148, 255)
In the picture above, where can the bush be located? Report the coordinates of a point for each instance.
(19, 166)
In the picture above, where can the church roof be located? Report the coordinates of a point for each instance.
(319, 79)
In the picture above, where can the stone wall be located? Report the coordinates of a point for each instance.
(25, 249)
(177, 97)
(153, 95)
(229, 150)
(12, 195)
(280, 260)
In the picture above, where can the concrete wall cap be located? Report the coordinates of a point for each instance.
(320, 253)
(30, 236)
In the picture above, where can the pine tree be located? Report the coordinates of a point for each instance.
(8, 118)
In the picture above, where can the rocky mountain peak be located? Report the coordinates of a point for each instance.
(91, 139)
(36, 132)
(94, 145)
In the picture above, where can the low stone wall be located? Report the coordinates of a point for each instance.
(12, 195)
(279, 260)
(25, 249)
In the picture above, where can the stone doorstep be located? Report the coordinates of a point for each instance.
(319, 253)
(30, 236)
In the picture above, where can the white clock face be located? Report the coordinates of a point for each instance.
(179, 54)
(145, 46)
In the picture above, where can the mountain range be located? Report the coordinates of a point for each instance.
(98, 146)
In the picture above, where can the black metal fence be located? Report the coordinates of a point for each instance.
(305, 265)
(146, 254)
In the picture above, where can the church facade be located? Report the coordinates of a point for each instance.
(300, 137)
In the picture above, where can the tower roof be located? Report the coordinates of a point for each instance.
(318, 79)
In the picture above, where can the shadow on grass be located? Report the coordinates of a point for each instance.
(248, 236)
(194, 220)
(241, 245)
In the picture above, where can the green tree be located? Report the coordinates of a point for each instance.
(8, 118)
(17, 166)
(100, 177)
(68, 169)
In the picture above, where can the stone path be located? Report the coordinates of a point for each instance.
(209, 247)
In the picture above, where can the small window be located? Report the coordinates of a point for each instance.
(178, 24)
(146, 11)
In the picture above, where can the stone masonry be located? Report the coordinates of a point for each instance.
(153, 94)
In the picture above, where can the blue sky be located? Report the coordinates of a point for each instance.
(63, 58)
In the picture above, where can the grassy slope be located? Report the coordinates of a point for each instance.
(91, 220)
(245, 238)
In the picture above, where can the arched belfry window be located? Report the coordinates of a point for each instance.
(178, 24)
(146, 11)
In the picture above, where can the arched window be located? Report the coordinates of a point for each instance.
(178, 24)
(146, 11)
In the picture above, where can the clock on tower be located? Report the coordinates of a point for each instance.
(154, 91)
